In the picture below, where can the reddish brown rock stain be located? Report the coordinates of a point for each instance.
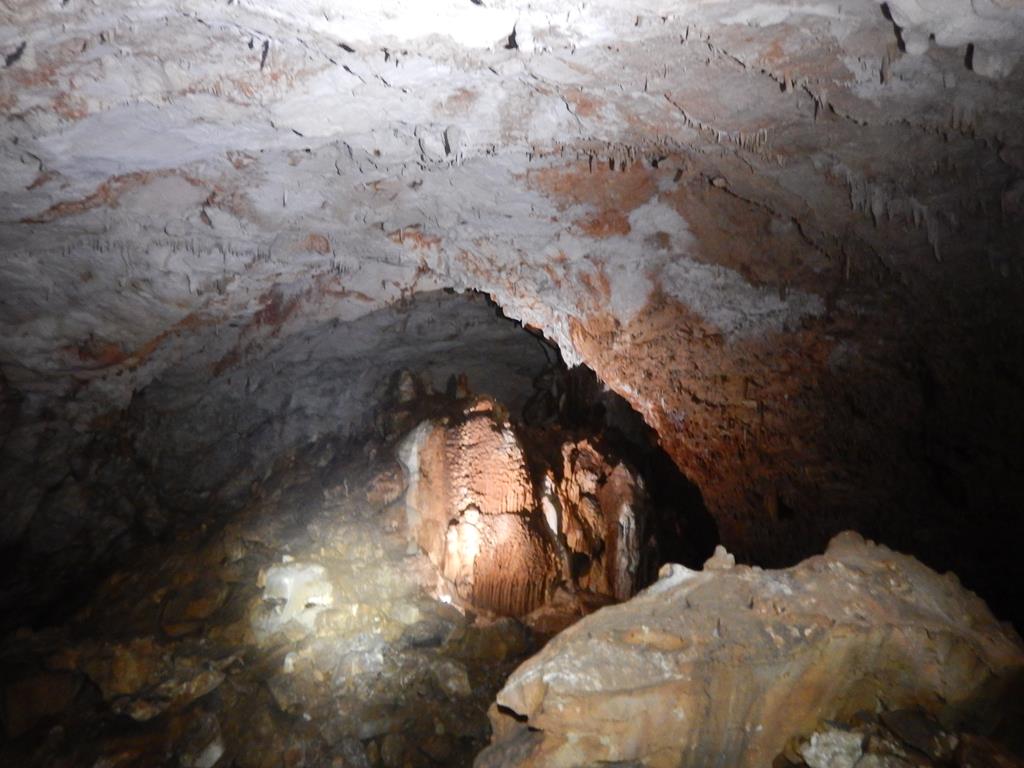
(107, 194)
(191, 322)
(239, 159)
(611, 194)
(69, 107)
(40, 180)
(276, 308)
(459, 102)
(231, 359)
(597, 283)
(101, 353)
(583, 105)
(317, 243)
(727, 416)
(233, 201)
(33, 78)
(415, 239)
(774, 53)
(331, 286)
(605, 224)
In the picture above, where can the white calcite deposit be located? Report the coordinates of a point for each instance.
(296, 592)
(994, 29)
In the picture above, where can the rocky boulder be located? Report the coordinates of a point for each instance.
(726, 666)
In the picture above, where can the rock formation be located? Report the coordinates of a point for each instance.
(247, 247)
(299, 631)
(788, 234)
(725, 666)
(505, 538)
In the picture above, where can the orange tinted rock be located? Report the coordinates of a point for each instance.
(471, 508)
(487, 468)
(317, 243)
(600, 522)
(185, 611)
(611, 195)
(725, 666)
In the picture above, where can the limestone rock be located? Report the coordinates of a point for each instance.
(386, 487)
(143, 678)
(491, 642)
(452, 678)
(185, 611)
(471, 509)
(295, 592)
(601, 517)
(721, 560)
(722, 667)
(499, 526)
(125, 668)
(833, 749)
(487, 467)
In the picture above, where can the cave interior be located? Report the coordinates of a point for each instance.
(398, 385)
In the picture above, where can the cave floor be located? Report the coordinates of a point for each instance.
(182, 657)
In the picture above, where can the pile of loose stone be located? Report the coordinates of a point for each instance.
(303, 632)
(903, 738)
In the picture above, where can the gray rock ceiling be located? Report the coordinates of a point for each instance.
(790, 234)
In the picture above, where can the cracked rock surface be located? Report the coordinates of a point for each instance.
(724, 666)
(789, 233)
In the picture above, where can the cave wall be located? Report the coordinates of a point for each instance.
(195, 443)
(789, 234)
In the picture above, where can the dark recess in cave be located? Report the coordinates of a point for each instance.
(189, 452)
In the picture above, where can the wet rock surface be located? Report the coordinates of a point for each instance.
(725, 666)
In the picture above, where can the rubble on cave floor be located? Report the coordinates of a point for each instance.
(901, 738)
(301, 633)
(320, 625)
(391, 604)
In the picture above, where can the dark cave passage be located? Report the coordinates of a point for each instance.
(425, 494)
